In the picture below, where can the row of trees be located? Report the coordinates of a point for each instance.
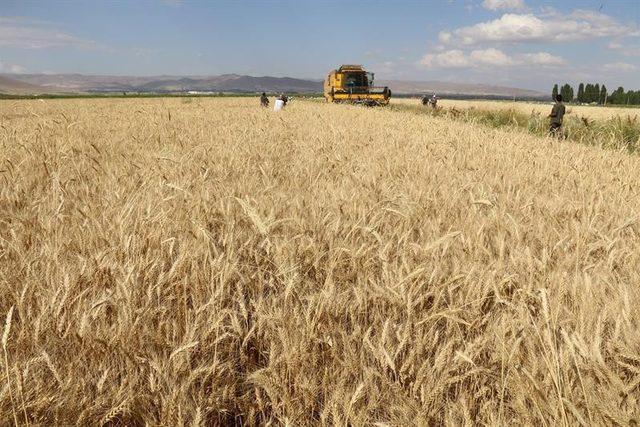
(595, 93)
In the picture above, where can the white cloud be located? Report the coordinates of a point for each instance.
(16, 69)
(448, 59)
(599, 20)
(30, 34)
(487, 58)
(549, 12)
(503, 4)
(542, 58)
(445, 36)
(11, 68)
(626, 50)
(620, 66)
(510, 27)
(491, 57)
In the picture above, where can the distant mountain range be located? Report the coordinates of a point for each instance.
(229, 83)
(225, 83)
(13, 86)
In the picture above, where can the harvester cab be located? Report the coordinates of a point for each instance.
(352, 84)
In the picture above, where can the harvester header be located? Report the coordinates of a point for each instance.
(352, 84)
(350, 67)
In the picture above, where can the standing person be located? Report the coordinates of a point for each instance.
(433, 101)
(557, 114)
(283, 98)
(264, 100)
(425, 100)
(280, 103)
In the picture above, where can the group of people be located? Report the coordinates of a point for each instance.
(556, 115)
(264, 99)
(431, 102)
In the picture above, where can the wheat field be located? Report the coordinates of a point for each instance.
(588, 111)
(208, 262)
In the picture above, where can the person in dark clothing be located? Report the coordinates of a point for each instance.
(433, 102)
(557, 115)
(264, 100)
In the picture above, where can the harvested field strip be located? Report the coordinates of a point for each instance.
(620, 132)
(590, 111)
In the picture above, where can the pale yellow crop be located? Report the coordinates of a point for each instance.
(210, 262)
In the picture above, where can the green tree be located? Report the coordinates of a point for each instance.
(622, 96)
(571, 94)
(581, 92)
(628, 98)
(588, 92)
(567, 92)
(603, 95)
(618, 96)
(594, 92)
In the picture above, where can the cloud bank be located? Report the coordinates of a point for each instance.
(529, 28)
(503, 4)
(485, 58)
(31, 34)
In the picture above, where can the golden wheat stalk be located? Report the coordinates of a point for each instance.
(328, 265)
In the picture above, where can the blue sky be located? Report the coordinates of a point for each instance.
(524, 43)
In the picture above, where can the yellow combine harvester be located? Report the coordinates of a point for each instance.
(351, 83)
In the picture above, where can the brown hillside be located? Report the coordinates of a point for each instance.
(13, 86)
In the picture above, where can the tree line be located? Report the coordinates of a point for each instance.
(595, 93)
